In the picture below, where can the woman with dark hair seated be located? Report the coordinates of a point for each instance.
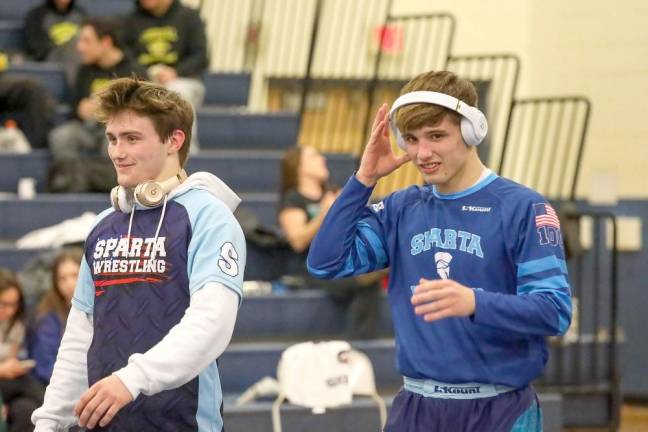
(305, 199)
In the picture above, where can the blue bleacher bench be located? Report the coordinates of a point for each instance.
(226, 89)
(51, 75)
(226, 129)
(232, 166)
(10, 36)
(243, 364)
(18, 217)
(17, 10)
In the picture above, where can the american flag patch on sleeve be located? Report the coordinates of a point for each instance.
(545, 215)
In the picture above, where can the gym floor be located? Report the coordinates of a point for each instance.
(634, 418)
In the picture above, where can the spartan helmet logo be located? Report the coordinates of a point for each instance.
(442, 260)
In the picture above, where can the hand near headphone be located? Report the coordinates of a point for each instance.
(378, 159)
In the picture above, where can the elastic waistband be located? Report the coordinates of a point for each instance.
(438, 389)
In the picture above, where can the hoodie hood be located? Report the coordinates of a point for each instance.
(52, 6)
(210, 183)
(172, 7)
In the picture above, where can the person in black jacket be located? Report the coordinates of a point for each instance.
(50, 32)
(81, 139)
(169, 40)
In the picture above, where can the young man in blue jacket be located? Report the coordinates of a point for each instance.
(477, 270)
(159, 285)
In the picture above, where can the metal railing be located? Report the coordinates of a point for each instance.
(359, 58)
(545, 142)
(584, 364)
(230, 27)
(334, 62)
(501, 71)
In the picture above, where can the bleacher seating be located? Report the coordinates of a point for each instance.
(16, 10)
(107, 8)
(232, 166)
(51, 75)
(240, 130)
(221, 89)
(18, 217)
(244, 149)
(16, 259)
(236, 166)
(243, 364)
(13, 167)
(226, 88)
(361, 416)
(298, 314)
(10, 36)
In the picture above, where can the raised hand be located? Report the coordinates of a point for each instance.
(378, 159)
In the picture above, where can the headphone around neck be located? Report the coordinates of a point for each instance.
(148, 194)
(474, 126)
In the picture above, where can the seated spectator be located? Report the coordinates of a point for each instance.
(26, 102)
(20, 391)
(79, 147)
(305, 200)
(46, 331)
(169, 40)
(50, 31)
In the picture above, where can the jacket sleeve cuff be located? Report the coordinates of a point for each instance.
(46, 425)
(481, 300)
(133, 379)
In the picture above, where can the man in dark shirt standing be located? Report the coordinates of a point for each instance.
(82, 138)
(169, 40)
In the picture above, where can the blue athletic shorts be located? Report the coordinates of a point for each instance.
(512, 411)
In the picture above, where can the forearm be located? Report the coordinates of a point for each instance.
(537, 314)
(4, 370)
(300, 238)
(344, 245)
(69, 378)
(197, 340)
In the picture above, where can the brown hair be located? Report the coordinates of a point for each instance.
(9, 280)
(290, 170)
(290, 165)
(414, 116)
(167, 109)
(54, 301)
(103, 27)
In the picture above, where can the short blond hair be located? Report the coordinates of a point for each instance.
(415, 116)
(167, 110)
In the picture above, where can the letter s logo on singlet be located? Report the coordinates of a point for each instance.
(228, 261)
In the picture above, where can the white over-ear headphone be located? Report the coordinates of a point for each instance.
(474, 126)
(147, 194)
